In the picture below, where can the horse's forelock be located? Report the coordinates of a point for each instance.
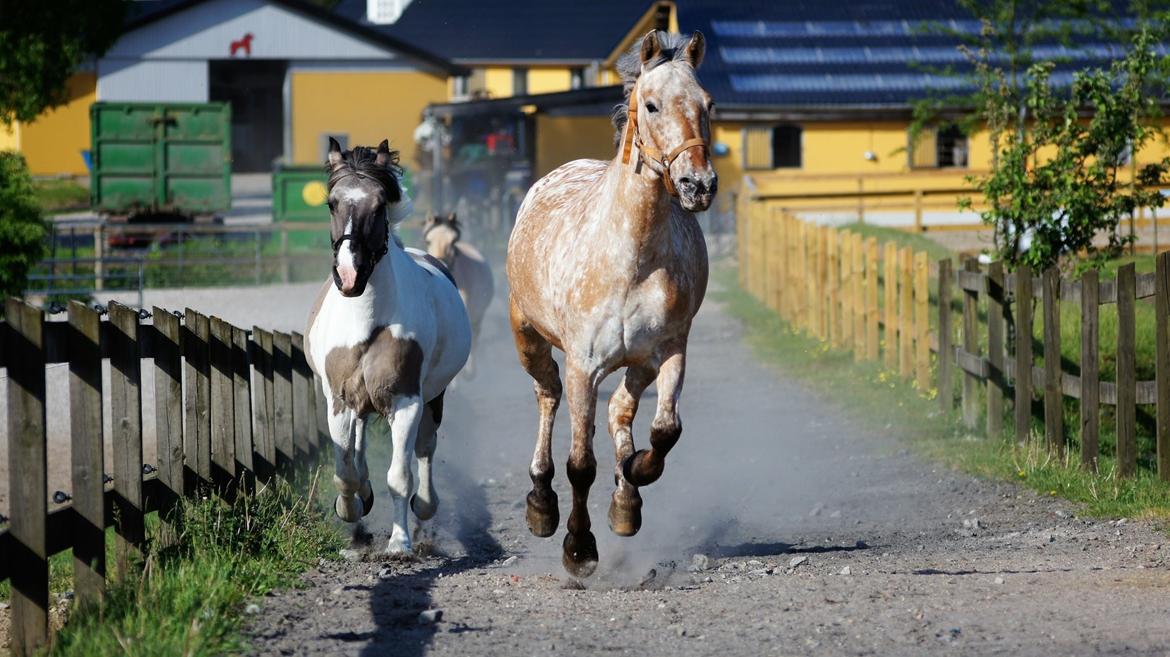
(363, 162)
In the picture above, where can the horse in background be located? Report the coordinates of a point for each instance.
(607, 263)
(472, 272)
(387, 334)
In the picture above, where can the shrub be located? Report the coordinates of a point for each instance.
(23, 231)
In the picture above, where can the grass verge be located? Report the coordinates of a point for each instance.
(190, 596)
(60, 194)
(881, 398)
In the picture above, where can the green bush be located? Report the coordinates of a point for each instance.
(22, 228)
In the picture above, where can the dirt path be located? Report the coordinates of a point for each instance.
(819, 535)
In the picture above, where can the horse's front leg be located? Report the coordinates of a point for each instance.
(580, 547)
(405, 414)
(625, 509)
(342, 431)
(646, 465)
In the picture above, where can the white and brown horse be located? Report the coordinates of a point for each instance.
(471, 270)
(608, 264)
(386, 335)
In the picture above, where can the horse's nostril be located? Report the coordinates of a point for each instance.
(685, 181)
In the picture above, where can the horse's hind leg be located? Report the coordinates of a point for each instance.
(425, 502)
(580, 547)
(536, 357)
(646, 465)
(625, 509)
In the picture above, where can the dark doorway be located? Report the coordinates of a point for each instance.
(255, 88)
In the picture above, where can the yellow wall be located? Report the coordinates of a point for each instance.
(10, 137)
(53, 143)
(549, 80)
(498, 81)
(390, 107)
(561, 139)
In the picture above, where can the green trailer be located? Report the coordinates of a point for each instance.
(299, 193)
(152, 159)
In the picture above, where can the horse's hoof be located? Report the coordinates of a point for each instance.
(348, 508)
(423, 510)
(640, 470)
(580, 554)
(367, 495)
(625, 513)
(543, 514)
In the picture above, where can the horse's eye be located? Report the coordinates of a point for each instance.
(332, 205)
(651, 107)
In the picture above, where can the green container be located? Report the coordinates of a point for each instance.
(161, 158)
(299, 193)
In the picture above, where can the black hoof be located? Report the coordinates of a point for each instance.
(639, 470)
(543, 513)
(625, 513)
(367, 503)
(580, 557)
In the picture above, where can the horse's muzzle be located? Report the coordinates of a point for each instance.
(347, 281)
(695, 193)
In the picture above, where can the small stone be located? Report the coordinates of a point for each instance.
(252, 609)
(3, 605)
(679, 630)
(430, 616)
(816, 510)
(350, 555)
(835, 514)
(708, 579)
(384, 573)
(1061, 514)
(998, 580)
(796, 561)
(846, 571)
(699, 563)
(337, 591)
(971, 523)
(509, 561)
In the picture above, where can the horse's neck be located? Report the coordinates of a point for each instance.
(380, 296)
(640, 205)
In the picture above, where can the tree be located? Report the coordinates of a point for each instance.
(43, 42)
(22, 229)
(1056, 179)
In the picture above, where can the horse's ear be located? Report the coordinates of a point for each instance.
(430, 221)
(451, 219)
(334, 152)
(695, 49)
(383, 158)
(651, 49)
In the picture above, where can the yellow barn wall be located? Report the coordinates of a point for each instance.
(52, 143)
(549, 80)
(561, 139)
(391, 108)
(497, 81)
(10, 137)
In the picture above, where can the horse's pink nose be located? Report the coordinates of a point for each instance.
(348, 276)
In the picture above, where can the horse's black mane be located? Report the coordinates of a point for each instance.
(629, 67)
(362, 161)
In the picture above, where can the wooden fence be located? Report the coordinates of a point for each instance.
(232, 408)
(876, 300)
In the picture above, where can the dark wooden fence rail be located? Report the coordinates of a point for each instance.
(232, 408)
(815, 279)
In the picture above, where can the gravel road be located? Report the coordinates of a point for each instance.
(781, 526)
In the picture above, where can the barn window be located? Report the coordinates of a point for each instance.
(942, 147)
(462, 86)
(519, 81)
(773, 147)
(577, 78)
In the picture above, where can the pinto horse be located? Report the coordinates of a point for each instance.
(387, 334)
(443, 236)
(608, 264)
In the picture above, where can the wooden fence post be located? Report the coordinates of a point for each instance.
(304, 415)
(872, 333)
(1126, 373)
(242, 403)
(282, 401)
(197, 400)
(922, 321)
(1091, 371)
(762, 280)
(87, 459)
(847, 300)
(126, 421)
(906, 312)
(946, 353)
(891, 297)
(1053, 399)
(996, 378)
(168, 412)
(857, 253)
(223, 417)
(27, 495)
(1162, 362)
(833, 245)
(264, 452)
(971, 346)
(1023, 405)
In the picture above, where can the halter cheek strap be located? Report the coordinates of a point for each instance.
(647, 153)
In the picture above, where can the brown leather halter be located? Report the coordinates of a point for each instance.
(646, 151)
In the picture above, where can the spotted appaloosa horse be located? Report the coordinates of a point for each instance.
(472, 272)
(386, 335)
(607, 263)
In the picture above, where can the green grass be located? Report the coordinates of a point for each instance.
(61, 194)
(916, 241)
(190, 596)
(881, 398)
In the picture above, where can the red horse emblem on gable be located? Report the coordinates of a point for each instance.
(244, 44)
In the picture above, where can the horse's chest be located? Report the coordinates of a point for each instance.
(633, 326)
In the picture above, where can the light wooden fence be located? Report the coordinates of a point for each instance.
(232, 408)
(876, 300)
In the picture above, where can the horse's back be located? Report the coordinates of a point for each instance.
(474, 276)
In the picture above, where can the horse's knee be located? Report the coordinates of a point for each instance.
(582, 469)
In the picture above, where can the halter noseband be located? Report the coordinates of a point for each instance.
(649, 153)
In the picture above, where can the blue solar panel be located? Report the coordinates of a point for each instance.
(764, 29)
(856, 55)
